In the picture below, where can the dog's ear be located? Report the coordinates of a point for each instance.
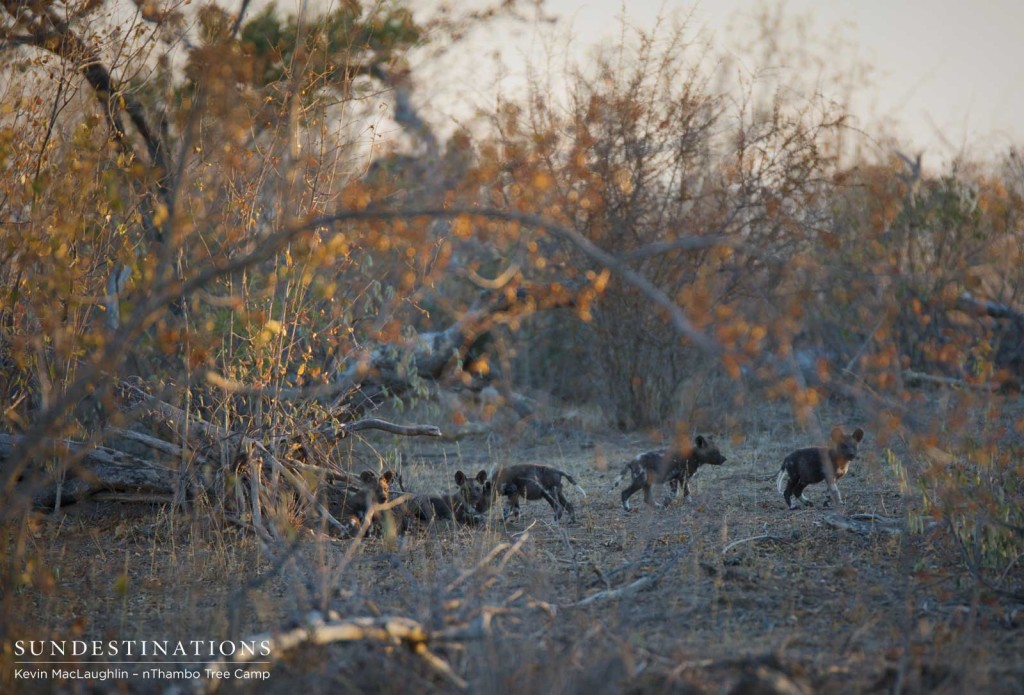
(388, 476)
(701, 442)
(858, 434)
(368, 477)
(837, 433)
(481, 477)
(460, 478)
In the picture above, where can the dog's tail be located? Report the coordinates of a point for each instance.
(573, 482)
(780, 482)
(622, 476)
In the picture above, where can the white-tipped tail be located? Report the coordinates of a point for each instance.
(622, 476)
(780, 482)
(582, 491)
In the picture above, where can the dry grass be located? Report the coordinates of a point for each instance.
(830, 610)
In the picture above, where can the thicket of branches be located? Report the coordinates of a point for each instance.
(204, 240)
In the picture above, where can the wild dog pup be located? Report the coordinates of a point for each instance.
(464, 506)
(349, 502)
(534, 482)
(812, 465)
(663, 466)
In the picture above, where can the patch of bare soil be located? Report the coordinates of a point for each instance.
(726, 591)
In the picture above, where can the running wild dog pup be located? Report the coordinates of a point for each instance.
(534, 482)
(812, 465)
(667, 467)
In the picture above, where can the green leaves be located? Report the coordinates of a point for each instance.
(336, 47)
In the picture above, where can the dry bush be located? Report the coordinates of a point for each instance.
(654, 162)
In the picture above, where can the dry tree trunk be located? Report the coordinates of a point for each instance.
(98, 468)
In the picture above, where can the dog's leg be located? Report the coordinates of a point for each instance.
(629, 492)
(835, 494)
(673, 491)
(513, 506)
(650, 480)
(793, 490)
(552, 501)
(798, 492)
(567, 505)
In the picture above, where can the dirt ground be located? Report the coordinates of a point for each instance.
(745, 593)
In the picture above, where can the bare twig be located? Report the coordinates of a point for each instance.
(911, 377)
(154, 443)
(497, 283)
(868, 523)
(762, 537)
(514, 550)
(466, 574)
(343, 430)
(644, 582)
(981, 307)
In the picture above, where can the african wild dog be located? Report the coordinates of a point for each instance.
(464, 506)
(662, 466)
(812, 465)
(350, 501)
(534, 482)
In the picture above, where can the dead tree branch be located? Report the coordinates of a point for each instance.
(912, 377)
(99, 469)
(763, 537)
(344, 430)
(866, 524)
(644, 582)
(967, 303)
(392, 630)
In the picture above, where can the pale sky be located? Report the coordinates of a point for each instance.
(946, 72)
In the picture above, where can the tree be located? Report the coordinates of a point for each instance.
(215, 240)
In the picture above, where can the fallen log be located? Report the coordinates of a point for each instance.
(393, 630)
(96, 469)
(866, 524)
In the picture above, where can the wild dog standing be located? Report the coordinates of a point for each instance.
(662, 466)
(464, 506)
(534, 482)
(812, 465)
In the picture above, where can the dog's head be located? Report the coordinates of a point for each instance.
(846, 444)
(377, 487)
(473, 491)
(706, 452)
